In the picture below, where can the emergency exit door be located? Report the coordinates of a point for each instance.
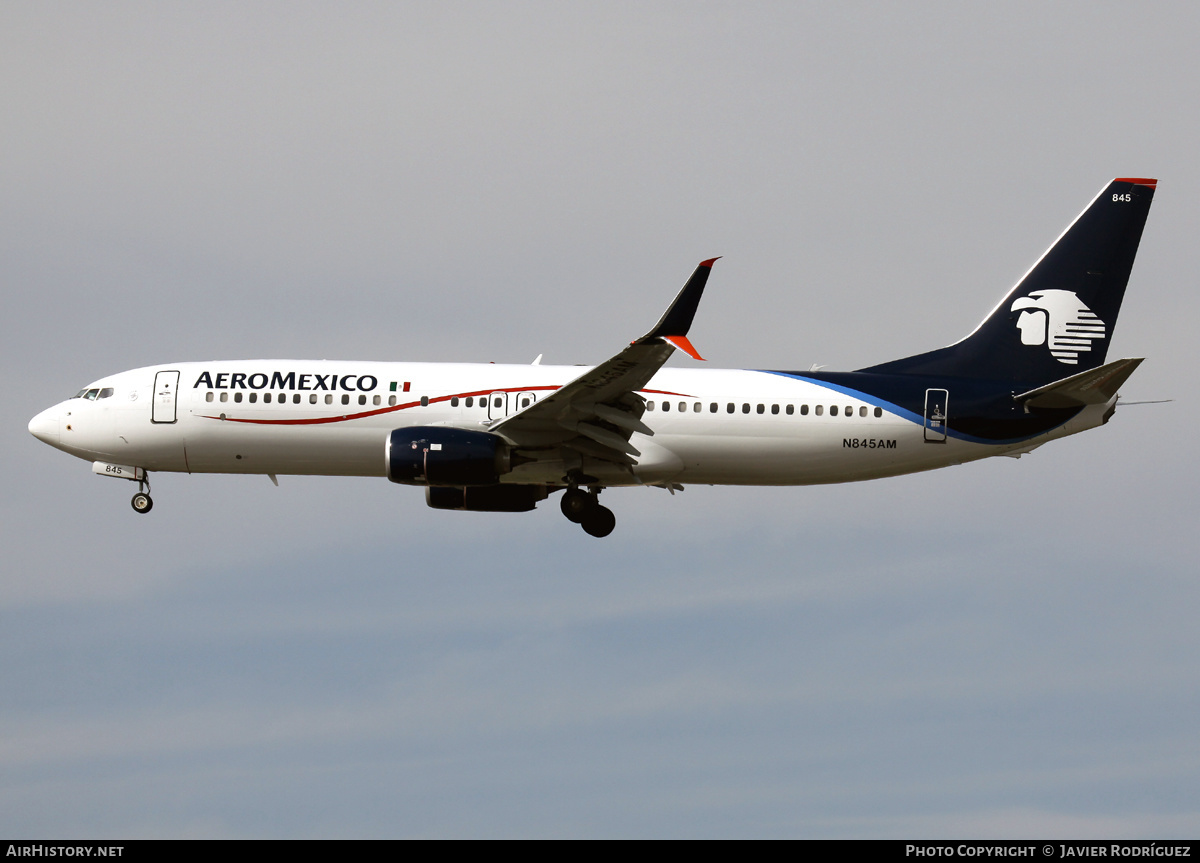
(166, 385)
(936, 409)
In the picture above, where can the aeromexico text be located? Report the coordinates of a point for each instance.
(289, 381)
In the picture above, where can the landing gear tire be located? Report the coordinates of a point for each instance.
(142, 503)
(576, 503)
(598, 521)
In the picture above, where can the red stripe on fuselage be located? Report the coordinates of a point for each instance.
(405, 406)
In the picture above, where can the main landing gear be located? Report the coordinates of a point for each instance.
(584, 509)
(142, 502)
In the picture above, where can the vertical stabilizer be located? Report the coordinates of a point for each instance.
(1060, 317)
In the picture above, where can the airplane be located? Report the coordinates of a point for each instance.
(502, 438)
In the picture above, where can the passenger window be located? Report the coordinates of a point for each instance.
(696, 408)
(362, 400)
(820, 409)
(649, 406)
(774, 409)
(745, 408)
(525, 402)
(253, 398)
(224, 397)
(712, 408)
(498, 402)
(237, 397)
(208, 397)
(683, 407)
(849, 410)
(312, 399)
(283, 398)
(295, 398)
(761, 408)
(666, 406)
(391, 400)
(878, 412)
(266, 398)
(470, 401)
(862, 411)
(803, 410)
(790, 409)
(833, 410)
(376, 400)
(454, 402)
(729, 408)
(345, 399)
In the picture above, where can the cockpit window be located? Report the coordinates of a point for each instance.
(105, 393)
(90, 395)
(80, 394)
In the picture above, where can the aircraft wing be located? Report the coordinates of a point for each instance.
(595, 414)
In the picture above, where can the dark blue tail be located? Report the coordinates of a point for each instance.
(1060, 317)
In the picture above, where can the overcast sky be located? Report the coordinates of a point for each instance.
(1006, 648)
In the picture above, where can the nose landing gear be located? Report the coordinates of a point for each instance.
(142, 503)
(585, 510)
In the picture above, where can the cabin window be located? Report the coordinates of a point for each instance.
(362, 400)
(819, 409)
(224, 397)
(283, 398)
(774, 409)
(295, 398)
(790, 409)
(745, 408)
(208, 397)
(666, 406)
(803, 410)
(237, 397)
(498, 402)
(729, 408)
(252, 398)
(312, 399)
(526, 402)
(345, 399)
(862, 411)
(761, 408)
(649, 406)
(375, 400)
(328, 399)
(391, 400)
(469, 402)
(878, 412)
(712, 408)
(454, 402)
(266, 398)
(833, 410)
(849, 411)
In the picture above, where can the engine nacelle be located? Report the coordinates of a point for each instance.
(486, 498)
(436, 455)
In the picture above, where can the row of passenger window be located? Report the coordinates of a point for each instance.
(731, 407)
(252, 397)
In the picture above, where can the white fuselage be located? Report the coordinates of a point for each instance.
(333, 418)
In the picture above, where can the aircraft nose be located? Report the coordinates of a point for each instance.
(44, 426)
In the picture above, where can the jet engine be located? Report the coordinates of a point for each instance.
(437, 455)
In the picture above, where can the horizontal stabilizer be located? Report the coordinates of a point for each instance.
(1093, 387)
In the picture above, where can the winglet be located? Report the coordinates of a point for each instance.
(673, 326)
(684, 345)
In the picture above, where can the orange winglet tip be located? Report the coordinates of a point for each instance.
(684, 345)
(1137, 181)
(712, 261)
